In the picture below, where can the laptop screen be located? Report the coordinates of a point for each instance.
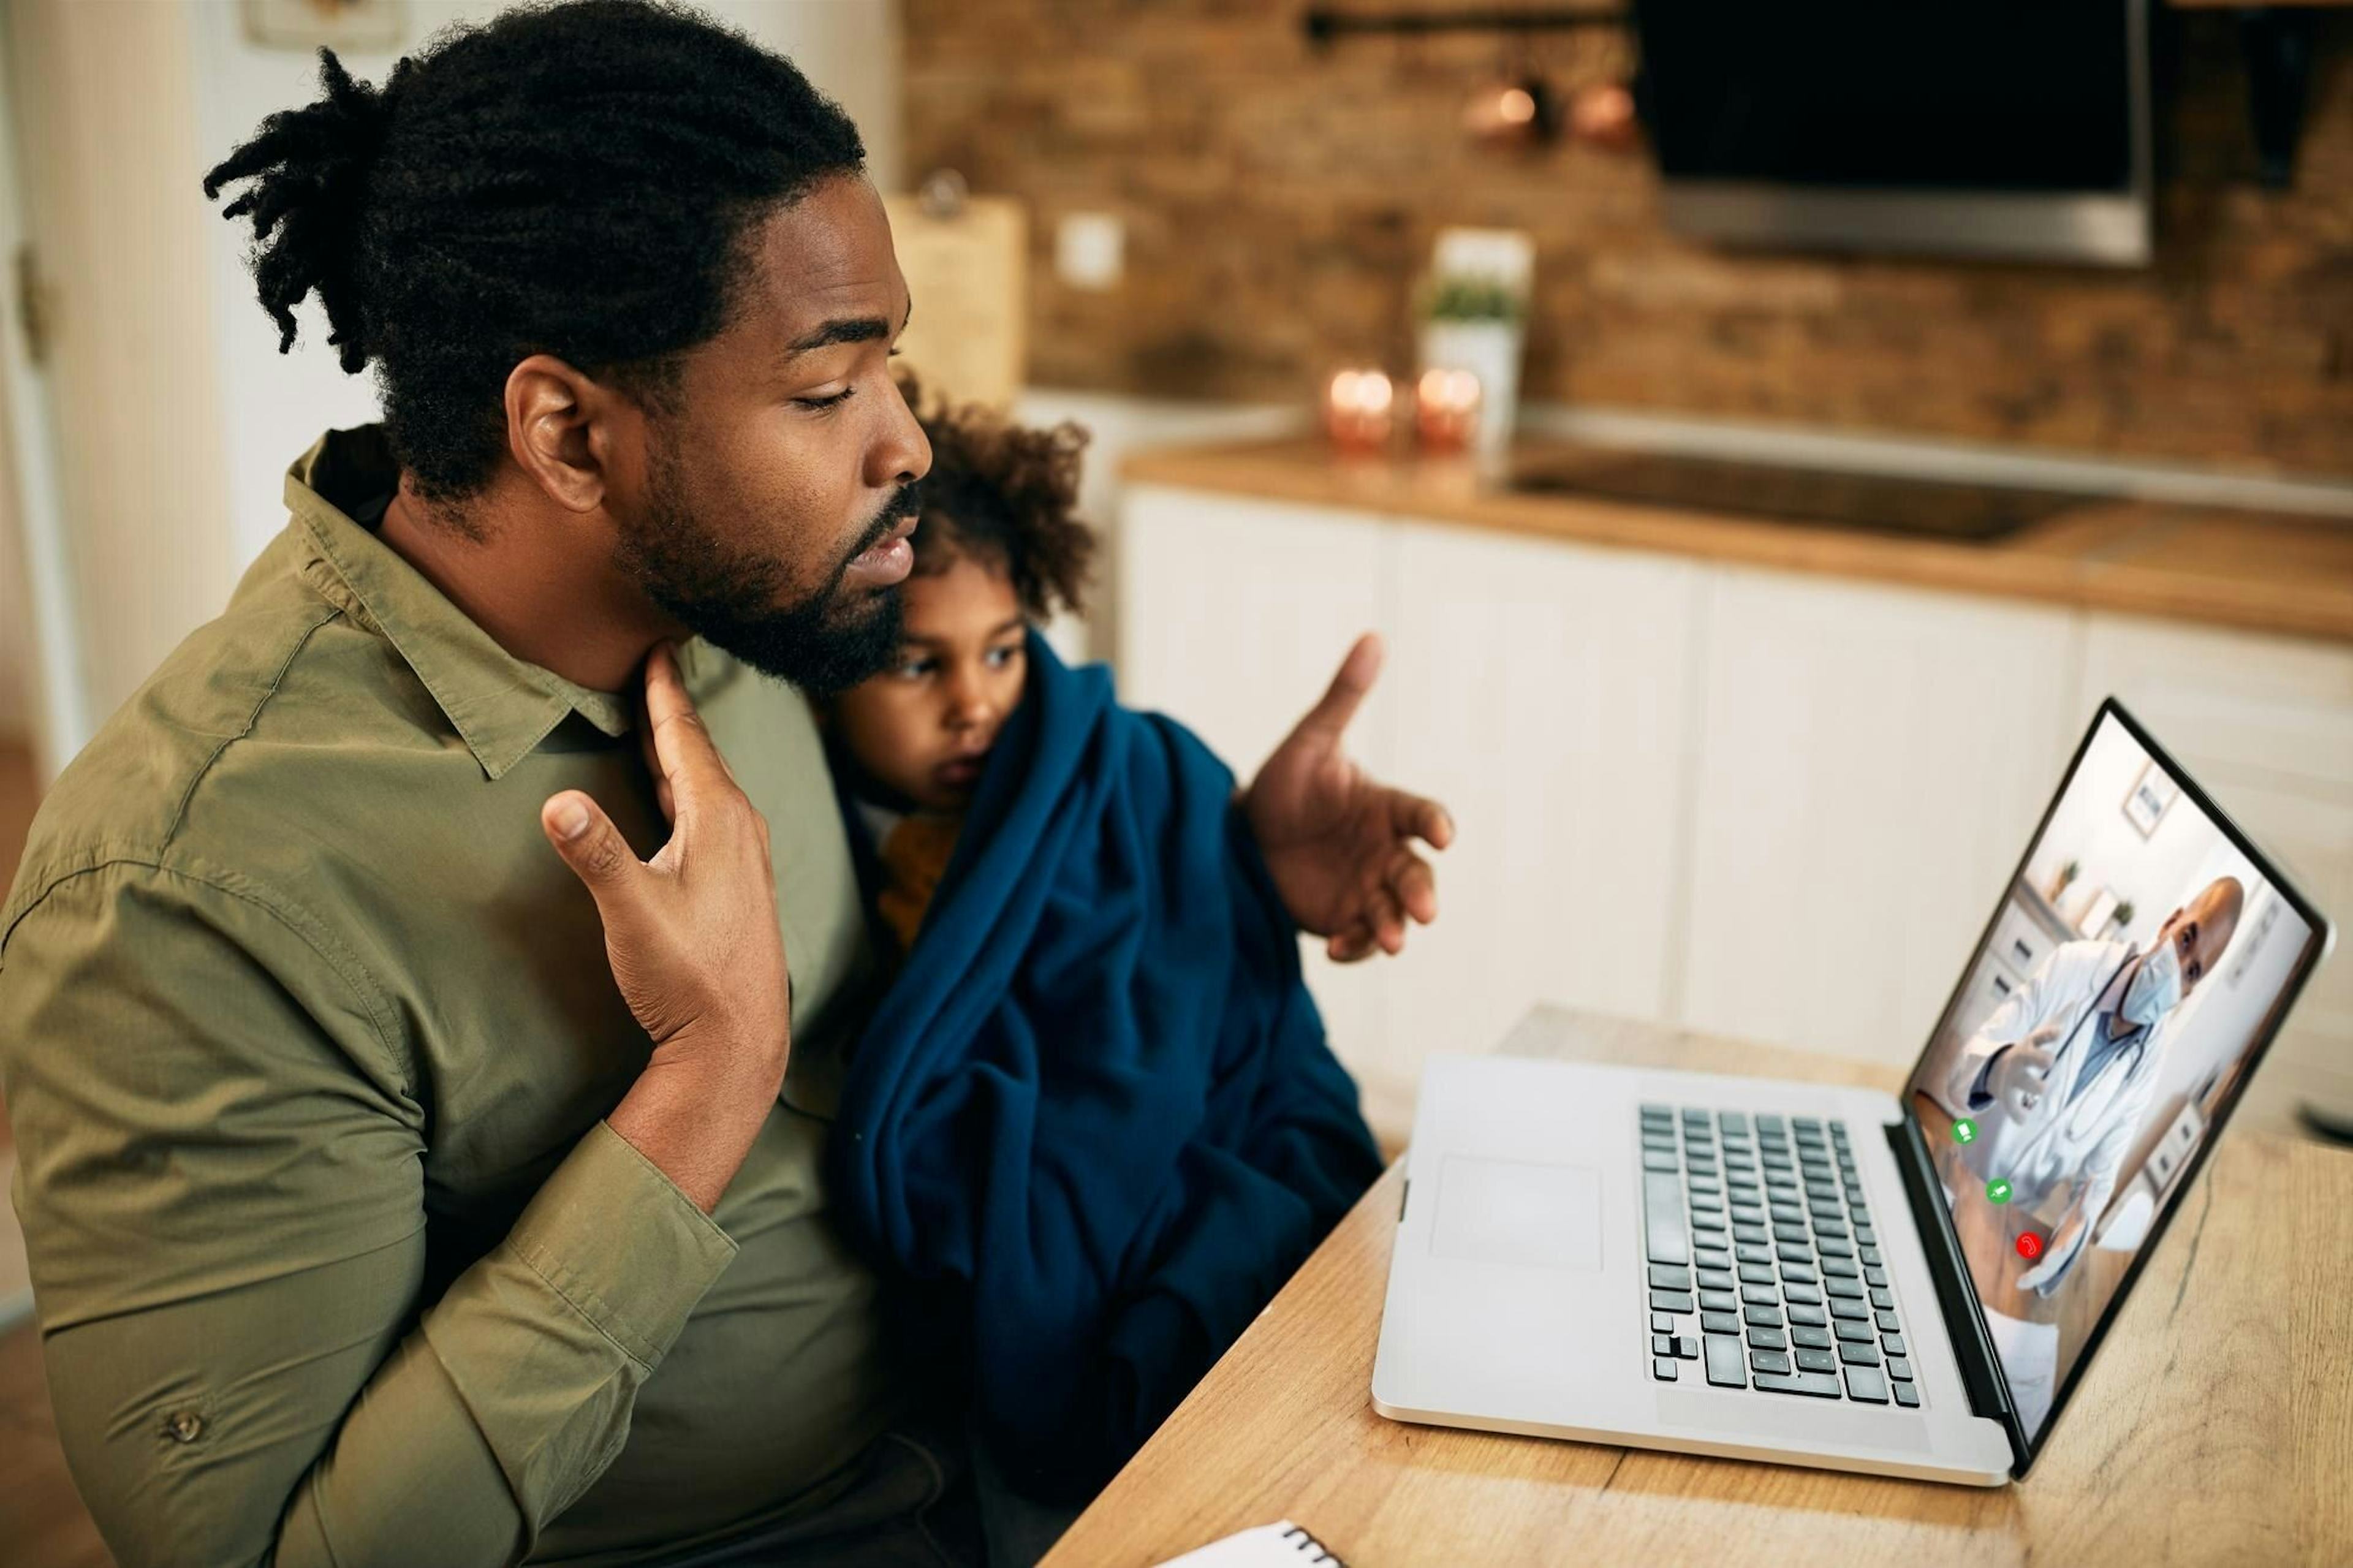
(2134, 968)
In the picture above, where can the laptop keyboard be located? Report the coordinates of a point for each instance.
(1764, 1270)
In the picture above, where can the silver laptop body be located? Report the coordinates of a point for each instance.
(1839, 1277)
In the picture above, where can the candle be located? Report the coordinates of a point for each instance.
(1446, 410)
(1356, 410)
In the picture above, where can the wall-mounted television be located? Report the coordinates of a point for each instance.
(1992, 128)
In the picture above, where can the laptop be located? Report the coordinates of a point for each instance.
(1905, 1285)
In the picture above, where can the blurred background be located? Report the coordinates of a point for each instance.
(1762, 439)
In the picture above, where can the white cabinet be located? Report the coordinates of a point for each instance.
(1772, 806)
(1872, 762)
(2229, 703)
(1541, 689)
(1236, 613)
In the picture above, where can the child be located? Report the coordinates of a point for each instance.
(1094, 1122)
(996, 551)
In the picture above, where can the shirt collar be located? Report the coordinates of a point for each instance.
(2108, 1003)
(500, 706)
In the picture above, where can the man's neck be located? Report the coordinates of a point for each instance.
(2118, 1025)
(541, 586)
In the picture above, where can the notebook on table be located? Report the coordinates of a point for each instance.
(1281, 1544)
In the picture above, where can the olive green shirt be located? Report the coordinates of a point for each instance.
(306, 1035)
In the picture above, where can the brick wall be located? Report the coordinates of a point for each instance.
(1281, 200)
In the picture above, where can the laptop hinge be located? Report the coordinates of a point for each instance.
(1956, 1294)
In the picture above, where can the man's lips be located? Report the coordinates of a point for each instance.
(888, 560)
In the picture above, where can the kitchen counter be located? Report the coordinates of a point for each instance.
(2271, 572)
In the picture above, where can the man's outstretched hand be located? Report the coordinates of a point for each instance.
(1340, 843)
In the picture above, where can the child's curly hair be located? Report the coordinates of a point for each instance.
(1002, 494)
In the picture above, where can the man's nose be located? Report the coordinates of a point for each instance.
(903, 453)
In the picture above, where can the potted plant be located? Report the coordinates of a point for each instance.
(2060, 883)
(1476, 322)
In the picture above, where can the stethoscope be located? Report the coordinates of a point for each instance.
(2073, 1111)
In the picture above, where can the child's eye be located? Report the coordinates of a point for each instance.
(998, 657)
(917, 669)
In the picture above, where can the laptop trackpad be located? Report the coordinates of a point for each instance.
(1516, 1211)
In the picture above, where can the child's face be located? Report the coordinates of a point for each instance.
(923, 728)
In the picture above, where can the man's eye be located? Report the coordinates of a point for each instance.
(834, 401)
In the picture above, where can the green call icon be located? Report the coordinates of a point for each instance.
(1965, 1130)
(1997, 1190)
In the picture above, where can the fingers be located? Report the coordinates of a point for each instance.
(1386, 916)
(1413, 817)
(1406, 892)
(590, 845)
(1341, 700)
(663, 795)
(1414, 886)
(685, 761)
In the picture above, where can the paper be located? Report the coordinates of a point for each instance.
(1279, 1545)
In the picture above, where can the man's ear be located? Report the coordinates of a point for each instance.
(560, 430)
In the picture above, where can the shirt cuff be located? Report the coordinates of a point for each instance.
(614, 1236)
(1979, 1095)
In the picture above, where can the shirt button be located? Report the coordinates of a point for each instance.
(184, 1426)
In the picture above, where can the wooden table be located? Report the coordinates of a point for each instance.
(2214, 1425)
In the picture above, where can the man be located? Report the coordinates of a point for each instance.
(2059, 1078)
(401, 1190)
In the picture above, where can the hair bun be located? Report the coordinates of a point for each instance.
(362, 111)
(308, 172)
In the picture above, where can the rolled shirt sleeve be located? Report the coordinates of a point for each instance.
(221, 1184)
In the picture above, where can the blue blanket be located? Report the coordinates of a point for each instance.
(1095, 1125)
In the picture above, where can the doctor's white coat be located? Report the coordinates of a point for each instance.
(2084, 1134)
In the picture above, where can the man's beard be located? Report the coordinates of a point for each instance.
(826, 641)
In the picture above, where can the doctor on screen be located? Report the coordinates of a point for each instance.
(2060, 1077)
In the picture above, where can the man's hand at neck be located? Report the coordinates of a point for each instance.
(695, 946)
